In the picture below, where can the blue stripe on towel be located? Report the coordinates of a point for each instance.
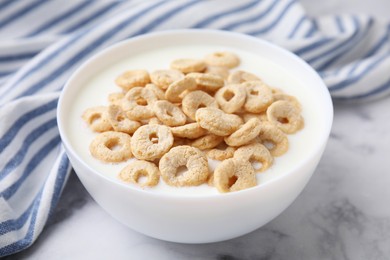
(297, 26)
(275, 21)
(234, 10)
(26, 240)
(355, 78)
(17, 159)
(100, 12)
(22, 120)
(7, 3)
(63, 47)
(31, 165)
(258, 17)
(17, 57)
(21, 12)
(64, 16)
(100, 41)
(340, 24)
(385, 87)
(60, 180)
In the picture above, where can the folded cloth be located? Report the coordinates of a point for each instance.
(43, 42)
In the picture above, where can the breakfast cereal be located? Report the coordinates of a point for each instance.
(255, 152)
(269, 133)
(286, 116)
(96, 118)
(111, 146)
(231, 98)
(190, 131)
(151, 142)
(196, 99)
(222, 72)
(282, 96)
(164, 78)
(222, 59)
(221, 152)
(168, 113)
(188, 65)
(160, 94)
(135, 170)
(193, 159)
(116, 98)
(258, 97)
(240, 76)
(119, 121)
(196, 123)
(234, 175)
(207, 82)
(137, 103)
(176, 90)
(245, 134)
(207, 142)
(217, 122)
(132, 78)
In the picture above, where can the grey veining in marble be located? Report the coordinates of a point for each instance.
(343, 213)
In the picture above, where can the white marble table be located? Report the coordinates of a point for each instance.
(343, 213)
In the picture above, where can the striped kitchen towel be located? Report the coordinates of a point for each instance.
(43, 42)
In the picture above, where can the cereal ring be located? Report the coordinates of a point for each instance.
(176, 90)
(196, 99)
(137, 103)
(192, 158)
(221, 152)
(207, 82)
(274, 139)
(150, 142)
(156, 90)
(132, 78)
(240, 76)
(164, 78)
(217, 122)
(168, 113)
(137, 169)
(285, 115)
(262, 117)
(116, 98)
(255, 152)
(293, 100)
(222, 59)
(258, 96)
(210, 181)
(96, 118)
(190, 131)
(207, 142)
(120, 122)
(111, 147)
(234, 175)
(223, 72)
(154, 121)
(231, 98)
(188, 65)
(245, 134)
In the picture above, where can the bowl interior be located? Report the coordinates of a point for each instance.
(312, 92)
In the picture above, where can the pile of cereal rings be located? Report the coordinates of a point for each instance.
(195, 111)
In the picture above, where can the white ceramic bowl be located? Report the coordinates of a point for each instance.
(197, 219)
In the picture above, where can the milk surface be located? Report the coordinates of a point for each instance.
(97, 89)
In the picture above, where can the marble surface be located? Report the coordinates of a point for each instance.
(343, 213)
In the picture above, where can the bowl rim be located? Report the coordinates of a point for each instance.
(244, 37)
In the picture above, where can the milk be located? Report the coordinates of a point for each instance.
(97, 89)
